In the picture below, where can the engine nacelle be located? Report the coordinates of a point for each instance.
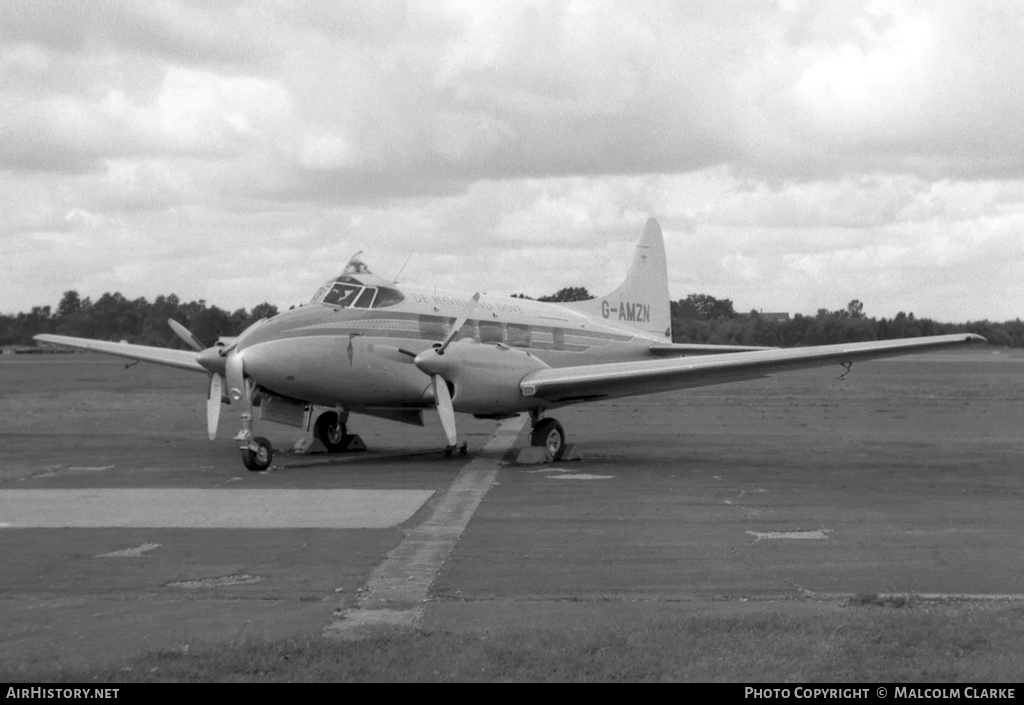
(485, 377)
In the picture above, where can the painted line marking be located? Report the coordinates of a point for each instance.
(224, 581)
(61, 362)
(54, 472)
(740, 495)
(130, 552)
(581, 476)
(209, 508)
(971, 596)
(795, 535)
(398, 587)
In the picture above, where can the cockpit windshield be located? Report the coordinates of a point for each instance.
(349, 292)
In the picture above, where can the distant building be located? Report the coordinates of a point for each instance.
(774, 316)
(35, 349)
(19, 350)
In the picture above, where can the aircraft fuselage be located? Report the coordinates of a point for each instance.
(337, 355)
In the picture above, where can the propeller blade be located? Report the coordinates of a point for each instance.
(235, 375)
(444, 408)
(213, 401)
(186, 335)
(391, 353)
(459, 322)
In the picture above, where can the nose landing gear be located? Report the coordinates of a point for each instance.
(257, 454)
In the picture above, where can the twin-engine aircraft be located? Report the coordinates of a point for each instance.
(365, 345)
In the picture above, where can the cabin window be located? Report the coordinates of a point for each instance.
(342, 294)
(365, 298)
(387, 297)
(320, 294)
(491, 332)
(518, 335)
(431, 327)
(347, 292)
(558, 337)
(468, 330)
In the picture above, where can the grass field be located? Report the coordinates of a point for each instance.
(922, 642)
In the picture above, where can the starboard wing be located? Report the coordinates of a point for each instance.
(182, 359)
(681, 349)
(567, 385)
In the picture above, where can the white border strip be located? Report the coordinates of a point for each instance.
(398, 587)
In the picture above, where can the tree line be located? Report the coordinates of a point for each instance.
(699, 318)
(114, 317)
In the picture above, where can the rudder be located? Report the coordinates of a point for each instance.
(642, 301)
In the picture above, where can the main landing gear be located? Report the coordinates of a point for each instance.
(549, 434)
(331, 430)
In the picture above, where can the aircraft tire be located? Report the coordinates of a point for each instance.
(550, 434)
(258, 461)
(334, 442)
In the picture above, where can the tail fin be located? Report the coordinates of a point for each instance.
(642, 301)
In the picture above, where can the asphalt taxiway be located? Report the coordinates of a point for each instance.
(122, 528)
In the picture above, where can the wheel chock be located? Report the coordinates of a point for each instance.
(352, 443)
(308, 445)
(533, 455)
(570, 453)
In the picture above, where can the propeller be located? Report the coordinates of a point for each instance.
(213, 402)
(443, 399)
(215, 393)
(459, 322)
(186, 335)
(431, 362)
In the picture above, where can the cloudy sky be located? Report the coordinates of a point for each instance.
(797, 154)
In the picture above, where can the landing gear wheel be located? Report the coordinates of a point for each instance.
(258, 460)
(550, 434)
(330, 432)
(462, 450)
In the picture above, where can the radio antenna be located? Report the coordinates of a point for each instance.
(395, 281)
